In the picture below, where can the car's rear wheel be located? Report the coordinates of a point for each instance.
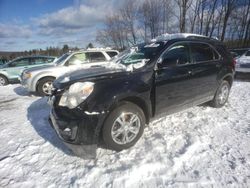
(124, 126)
(221, 95)
(45, 86)
(3, 81)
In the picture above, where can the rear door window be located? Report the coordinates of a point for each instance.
(202, 52)
(96, 56)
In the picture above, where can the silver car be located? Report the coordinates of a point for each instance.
(39, 79)
(243, 63)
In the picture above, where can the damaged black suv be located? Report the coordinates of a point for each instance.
(111, 104)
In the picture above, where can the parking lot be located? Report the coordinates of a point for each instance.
(201, 146)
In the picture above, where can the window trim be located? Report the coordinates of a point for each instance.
(176, 43)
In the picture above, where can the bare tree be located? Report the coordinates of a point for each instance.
(115, 34)
(228, 7)
(193, 14)
(129, 13)
(151, 15)
(183, 5)
(211, 6)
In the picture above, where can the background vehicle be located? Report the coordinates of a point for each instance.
(238, 52)
(11, 72)
(148, 80)
(243, 63)
(3, 61)
(40, 79)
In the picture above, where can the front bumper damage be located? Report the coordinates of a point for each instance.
(80, 135)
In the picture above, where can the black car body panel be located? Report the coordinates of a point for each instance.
(154, 88)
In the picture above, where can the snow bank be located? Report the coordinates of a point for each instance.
(200, 147)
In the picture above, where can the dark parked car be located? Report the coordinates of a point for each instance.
(112, 104)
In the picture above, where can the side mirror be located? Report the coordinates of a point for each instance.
(158, 64)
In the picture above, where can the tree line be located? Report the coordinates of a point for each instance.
(141, 20)
(49, 51)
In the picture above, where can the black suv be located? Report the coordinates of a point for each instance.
(112, 104)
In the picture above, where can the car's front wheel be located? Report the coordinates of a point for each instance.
(221, 95)
(3, 81)
(124, 126)
(45, 86)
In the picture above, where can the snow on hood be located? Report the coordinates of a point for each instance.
(90, 73)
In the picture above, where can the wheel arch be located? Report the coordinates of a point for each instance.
(140, 103)
(42, 78)
(5, 77)
(228, 78)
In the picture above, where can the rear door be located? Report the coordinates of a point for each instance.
(206, 63)
(173, 82)
(16, 67)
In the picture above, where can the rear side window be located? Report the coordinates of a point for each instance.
(202, 52)
(112, 53)
(96, 56)
(248, 53)
(41, 60)
(176, 55)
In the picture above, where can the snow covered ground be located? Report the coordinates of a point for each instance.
(200, 147)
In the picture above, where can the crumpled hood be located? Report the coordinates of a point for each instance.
(93, 73)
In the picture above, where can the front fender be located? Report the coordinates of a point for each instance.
(4, 73)
(39, 76)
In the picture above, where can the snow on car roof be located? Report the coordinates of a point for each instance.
(167, 36)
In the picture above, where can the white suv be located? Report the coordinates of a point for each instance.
(39, 79)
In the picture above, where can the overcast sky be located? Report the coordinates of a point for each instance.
(33, 24)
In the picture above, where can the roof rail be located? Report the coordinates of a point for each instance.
(167, 36)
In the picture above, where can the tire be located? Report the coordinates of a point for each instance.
(111, 125)
(3, 81)
(42, 84)
(220, 99)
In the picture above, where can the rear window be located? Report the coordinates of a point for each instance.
(112, 53)
(202, 52)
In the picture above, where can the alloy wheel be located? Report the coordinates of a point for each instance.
(223, 94)
(2, 81)
(47, 88)
(125, 128)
